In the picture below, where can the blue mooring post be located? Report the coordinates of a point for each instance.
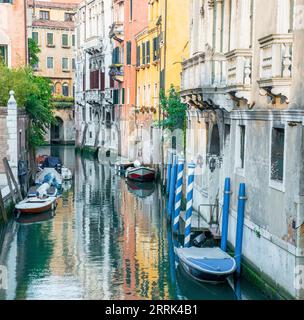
(225, 218)
(240, 227)
(178, 194)
(191, 168)
(172, 186)
(169, 171)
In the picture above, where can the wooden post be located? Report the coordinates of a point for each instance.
(2, 208)
(9, 174)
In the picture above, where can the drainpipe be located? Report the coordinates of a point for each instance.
(25, 34)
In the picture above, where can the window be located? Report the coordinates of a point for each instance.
(155, 95)
(277, 154)
(143, 49)
(242, 146)
(65, 40)
(116, 56)
(6, 1)
(115, 96)
(3, 54)
(73, 40)
(65, 63)
(148, 52)
(35, 36)
(138, 56)
(131, 10)
(68, 16)
(50, 39)
(155, 48)
(94, 79)
(65, 90)
(123, 96)
(44, 15)
(102, 81)
(227, 133)
(129, 52)
(52, 88)
(50, 62)
(73, 64)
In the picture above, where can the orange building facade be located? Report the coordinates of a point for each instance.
(13, 45)
(136, 19)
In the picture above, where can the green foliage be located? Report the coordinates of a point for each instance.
(61, 102)
(34, 50)
(173, 109)
(32, 93)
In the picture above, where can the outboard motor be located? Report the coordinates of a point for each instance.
(199, 240)
(58, 168)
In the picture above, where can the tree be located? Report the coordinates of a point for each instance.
(173, 109)
(33, 93)
(34, 50)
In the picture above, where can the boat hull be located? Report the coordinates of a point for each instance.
(36, 206)
(141, 174)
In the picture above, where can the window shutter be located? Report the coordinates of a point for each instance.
(148, 52)
(123, 96)
(138, 56)
(102, 81)
(143, 46)
(129, 52)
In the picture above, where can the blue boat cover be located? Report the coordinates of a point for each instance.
(51, 162)
(220, 265)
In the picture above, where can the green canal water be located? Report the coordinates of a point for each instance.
(107, 240)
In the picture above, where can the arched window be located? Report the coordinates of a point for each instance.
(65, 90)
(52, 88)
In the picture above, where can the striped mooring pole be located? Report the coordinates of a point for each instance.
(191, 168)
(225, 218)
(240, 227)
(169, 171)
(178, 194)
(172, 186)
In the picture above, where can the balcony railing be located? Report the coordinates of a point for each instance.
(239, 69)
(276, 63)
(94, 96)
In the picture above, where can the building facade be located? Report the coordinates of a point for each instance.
(245, 121)
(136, 19)
(95, 112)
(13, 45)
(51, 25)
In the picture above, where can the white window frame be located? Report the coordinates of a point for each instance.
(47, 63)
(237, 153)
(68, 64)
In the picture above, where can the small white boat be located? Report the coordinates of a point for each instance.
(140, 173)
(206, 264)
(36, 205)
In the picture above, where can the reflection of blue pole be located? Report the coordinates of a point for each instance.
(240, 228)
(172, 186)
(191, 168)
(178, 194)
(225, 218)
(169, 171)
(237, 288)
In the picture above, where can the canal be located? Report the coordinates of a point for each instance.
(107, 240)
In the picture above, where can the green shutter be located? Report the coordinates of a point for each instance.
(143, 47)
(129, 51)
(138, 56)
(148, 52)
(123, 96)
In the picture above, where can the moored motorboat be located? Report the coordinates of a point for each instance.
(206, 264)
(36, 205)
(140, 172)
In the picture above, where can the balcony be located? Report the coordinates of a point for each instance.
(239, 64)
(94, 96)
(117, 72)
(117, 31)
(276, 65)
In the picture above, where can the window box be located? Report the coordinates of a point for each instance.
(50, 45)
(65, 47)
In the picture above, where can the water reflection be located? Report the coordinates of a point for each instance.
(108, 240)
